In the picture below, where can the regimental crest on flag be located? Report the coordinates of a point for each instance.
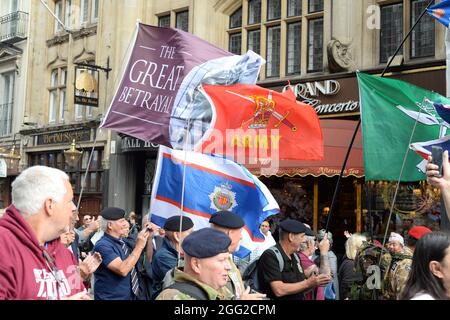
(264, 109)
(222, 198)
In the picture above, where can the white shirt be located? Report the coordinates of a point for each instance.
(422, 296)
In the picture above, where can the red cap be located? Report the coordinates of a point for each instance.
(418, 232)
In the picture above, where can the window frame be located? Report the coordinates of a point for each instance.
(299, 49)
(411, 22)
(9, 103)
(57, 89)
(380, 61)
(268, 11)
(165, 16)
(267, 51)
(178, 14)
(314, 70)
(248, 12)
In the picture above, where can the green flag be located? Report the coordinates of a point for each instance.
(389, 109)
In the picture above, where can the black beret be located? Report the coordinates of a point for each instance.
(173, 224)
(294, 226)
(112, 213)
(227, 219)
(206, 243)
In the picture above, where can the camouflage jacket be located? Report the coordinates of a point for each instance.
(397, 274)
(235, 284)
(180, 276)
(366, 263)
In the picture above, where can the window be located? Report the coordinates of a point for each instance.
(294, 8)
(273, 51)
(57, 90)
(94, 10)
(268, 23)
(13, 6)
(254, 11)
(293, 48)
(273, 9)
(88, 12)
(236, 19)
(423, 36)
(59, 14)
(235, 43)
(315, 45)
(315, 6)
(6, 102)
(254, 41)
(391, 32)
(63, 10)
(164, 21)
(182, 20)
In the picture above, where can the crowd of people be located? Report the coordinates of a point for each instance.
(113, 257)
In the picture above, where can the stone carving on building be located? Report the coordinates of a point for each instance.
(339, 56)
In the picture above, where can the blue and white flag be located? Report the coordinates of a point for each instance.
(424, 148)
(443, 110)
(441, 12)
(212, 184)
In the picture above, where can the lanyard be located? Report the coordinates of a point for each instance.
(53, 268)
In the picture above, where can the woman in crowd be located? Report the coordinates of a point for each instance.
(430, 271)
(347, 275)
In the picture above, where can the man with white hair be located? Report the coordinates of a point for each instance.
(398, 271)
(34, 264)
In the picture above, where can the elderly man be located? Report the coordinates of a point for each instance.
(206, 267)
(116, 278)
(34, 264)
(400, 266)
(232, 224)
(166, 257)
(289, 283)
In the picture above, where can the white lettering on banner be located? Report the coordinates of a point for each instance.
(153, 75)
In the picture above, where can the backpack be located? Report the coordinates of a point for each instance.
(366, 263)
(250, 274)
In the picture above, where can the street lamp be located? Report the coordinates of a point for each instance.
(72, 155)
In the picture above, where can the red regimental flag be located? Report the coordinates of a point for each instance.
(260, 123)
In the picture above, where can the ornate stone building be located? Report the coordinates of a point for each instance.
(315, 44)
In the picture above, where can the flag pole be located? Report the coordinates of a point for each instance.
(183, 185)
(336, 190)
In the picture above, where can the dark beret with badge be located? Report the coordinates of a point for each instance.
(206, 243)
(112, 213)
(227, 219)
(173, 224)
(294, 226)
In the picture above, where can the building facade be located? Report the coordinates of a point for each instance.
(14, 33)
(317, 45)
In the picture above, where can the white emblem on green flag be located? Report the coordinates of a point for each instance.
(389, 110)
